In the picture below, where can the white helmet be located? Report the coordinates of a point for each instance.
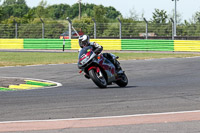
(84, 40)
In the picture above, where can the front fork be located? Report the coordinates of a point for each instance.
(97, 69)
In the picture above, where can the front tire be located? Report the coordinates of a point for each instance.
(98, 78)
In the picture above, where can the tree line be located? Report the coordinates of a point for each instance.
(19, 10)
(54, 16)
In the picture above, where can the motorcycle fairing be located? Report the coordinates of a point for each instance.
(108, 67)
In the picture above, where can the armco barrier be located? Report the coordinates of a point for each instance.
(186, 45)
(46, 44)
(11, 43)
(148, 45)
(74, 44)
(108, 44)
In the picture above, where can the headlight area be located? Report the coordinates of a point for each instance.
(84, 61)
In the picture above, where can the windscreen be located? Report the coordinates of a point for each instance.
(84, 51)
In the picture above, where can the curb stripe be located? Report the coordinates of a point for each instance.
(155, 118)
(18, 87)
(31, 84)
(6, 89)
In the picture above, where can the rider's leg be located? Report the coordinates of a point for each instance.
(113, 59)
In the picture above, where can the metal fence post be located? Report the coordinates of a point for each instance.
(95, 29)
(146, 27)
(120, 28)
(172, 28)
(16, 28)
(79, 1)
(42, 28)
(70, 28)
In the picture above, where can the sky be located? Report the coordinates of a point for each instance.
(186, 8)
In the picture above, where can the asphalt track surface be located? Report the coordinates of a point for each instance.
(155, 86)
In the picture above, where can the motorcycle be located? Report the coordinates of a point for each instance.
(100, 69)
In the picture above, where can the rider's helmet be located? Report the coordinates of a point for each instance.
(84, 40)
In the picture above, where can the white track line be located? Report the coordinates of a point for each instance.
(106, 117)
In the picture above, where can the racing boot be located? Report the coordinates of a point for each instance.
(117, 65)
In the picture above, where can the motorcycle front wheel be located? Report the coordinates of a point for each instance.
(98, 78)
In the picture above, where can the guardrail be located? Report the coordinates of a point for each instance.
(11, 43)
(46, 44)
(108, 44)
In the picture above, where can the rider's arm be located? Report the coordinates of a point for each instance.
(79, 49)
(98, 48)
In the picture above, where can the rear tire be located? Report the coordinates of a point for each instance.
(123, 81)
(98, 78)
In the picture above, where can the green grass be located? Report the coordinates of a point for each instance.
(142, 56)
(36, 58)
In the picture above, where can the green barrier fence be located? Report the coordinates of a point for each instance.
(126, 44)
(147, 45)
(108, 44)
(46, 44)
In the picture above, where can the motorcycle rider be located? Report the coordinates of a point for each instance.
(84, 40)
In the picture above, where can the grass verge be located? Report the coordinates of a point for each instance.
(36, 58)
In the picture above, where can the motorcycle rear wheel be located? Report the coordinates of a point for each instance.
(123, 81)
(98, 78)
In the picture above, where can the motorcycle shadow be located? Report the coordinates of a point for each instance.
(117, 87)
(113, 87)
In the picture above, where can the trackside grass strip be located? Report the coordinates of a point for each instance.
(37, 58)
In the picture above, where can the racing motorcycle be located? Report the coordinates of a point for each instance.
(100, 69)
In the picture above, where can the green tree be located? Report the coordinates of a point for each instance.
(196, 22)
(22, 2)
(9, 2)
(86, 25)
(13, 8)
(19, 10)
(13, 2)
(100, 14)
(1, 13)
(159, 16)
(87, 10)
(159, 24)
(132, 28)
(7, 31)
(60, 11)
(112, 13)
(74, 11)
(178, 16)
(41, 9)
(133, 14)
(34, 30)
(196, 17)
(112, 30)
(29, 17)
(7, 11)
